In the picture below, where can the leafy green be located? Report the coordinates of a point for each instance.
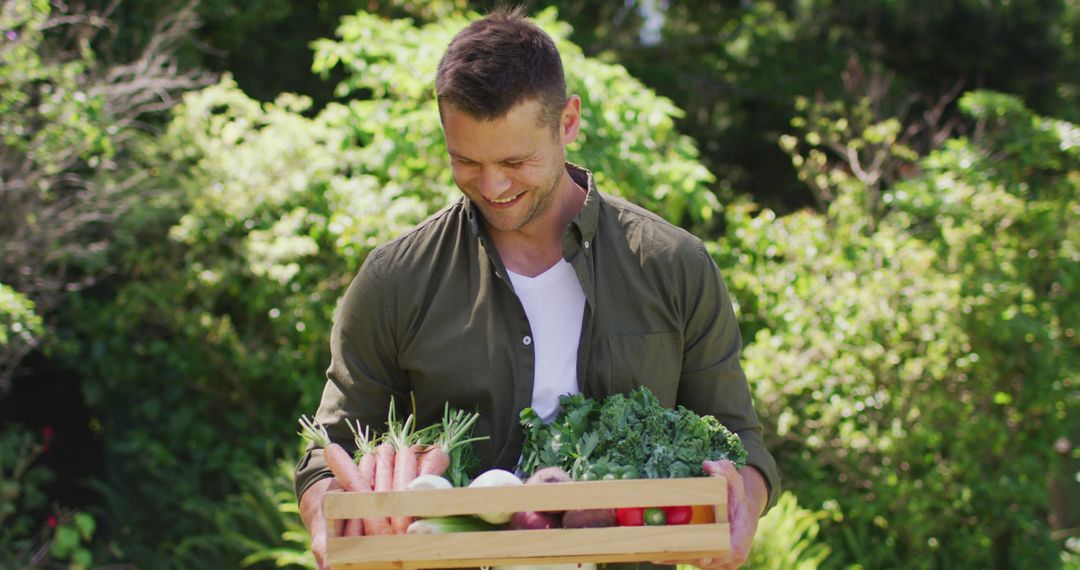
(625, 431)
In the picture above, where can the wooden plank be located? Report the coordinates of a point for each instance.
(551, 497)
(551, 546)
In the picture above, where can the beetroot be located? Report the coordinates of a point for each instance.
(530, 520)
(589, 518)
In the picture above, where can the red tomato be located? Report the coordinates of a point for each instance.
(679, 515)
(630, 516)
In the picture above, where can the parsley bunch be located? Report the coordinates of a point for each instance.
(626, 431)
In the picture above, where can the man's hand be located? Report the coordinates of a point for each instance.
(312, 514)
(747, 496)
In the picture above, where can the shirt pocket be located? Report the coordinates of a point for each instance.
(653, 360)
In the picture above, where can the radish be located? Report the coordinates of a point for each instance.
(428, 482)
(549, 475)
(495, 478)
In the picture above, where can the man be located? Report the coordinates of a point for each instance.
(533, 285)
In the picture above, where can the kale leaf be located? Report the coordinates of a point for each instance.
(631, 430)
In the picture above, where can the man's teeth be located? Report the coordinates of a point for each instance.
(507, 200)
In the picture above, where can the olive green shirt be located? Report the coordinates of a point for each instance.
(433, 313)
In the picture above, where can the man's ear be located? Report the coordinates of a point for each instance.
(570, 121)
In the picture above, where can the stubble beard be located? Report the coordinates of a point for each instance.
(542, 202)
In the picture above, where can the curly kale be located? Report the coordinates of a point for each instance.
(632, 432)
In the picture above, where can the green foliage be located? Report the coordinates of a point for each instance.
(30, 536)
(787, 538)
(257, 527)
(46, 110)
(870, 342)
(22, 497)
(18, 321)
(631, 430)
(71, 541)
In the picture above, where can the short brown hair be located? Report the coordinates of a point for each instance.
(498, 62)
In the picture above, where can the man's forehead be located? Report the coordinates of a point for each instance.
(524, 109)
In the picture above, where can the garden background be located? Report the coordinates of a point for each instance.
(891, 189)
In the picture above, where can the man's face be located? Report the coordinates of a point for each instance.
(509, 167)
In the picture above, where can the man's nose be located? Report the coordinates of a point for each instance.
(493, 182)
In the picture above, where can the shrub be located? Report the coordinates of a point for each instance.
(915, 374)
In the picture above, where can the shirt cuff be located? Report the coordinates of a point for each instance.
(309, 470)
(759, 458)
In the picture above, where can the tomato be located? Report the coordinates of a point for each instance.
(630, 516)
(679, 515)
(654, 516)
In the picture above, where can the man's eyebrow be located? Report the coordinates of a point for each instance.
(515, 158)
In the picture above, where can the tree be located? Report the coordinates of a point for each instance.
(67, 123)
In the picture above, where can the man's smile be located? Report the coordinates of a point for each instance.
(505, 201)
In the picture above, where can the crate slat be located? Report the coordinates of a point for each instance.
(549, 546)
(552, 546)
(551, 497)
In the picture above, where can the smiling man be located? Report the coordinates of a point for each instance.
(533, 285)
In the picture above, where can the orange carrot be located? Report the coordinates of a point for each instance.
(365, 453)
(353, 527)
(453, 434)
(337, 459)
(435, 461)
(401, 437)
(384, 472)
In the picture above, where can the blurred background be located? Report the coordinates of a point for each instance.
(891, 189)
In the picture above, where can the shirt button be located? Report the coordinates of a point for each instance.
(526, 341)
(586, 245)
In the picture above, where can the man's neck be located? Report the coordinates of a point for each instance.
(534, 249)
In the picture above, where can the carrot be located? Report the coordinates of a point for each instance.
(401, 437)
(435, 461)
(353, 527)
(365, 453)
(453, 433)
(384, 471)
(341, 465)
(337, 459)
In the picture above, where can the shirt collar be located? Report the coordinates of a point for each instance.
(584, 222)
(586, 219)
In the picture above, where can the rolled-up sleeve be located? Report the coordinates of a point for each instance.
(713, 381)
(363, 375)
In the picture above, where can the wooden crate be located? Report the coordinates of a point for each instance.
(516, 547)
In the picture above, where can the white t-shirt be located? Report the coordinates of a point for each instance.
(554, 304)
